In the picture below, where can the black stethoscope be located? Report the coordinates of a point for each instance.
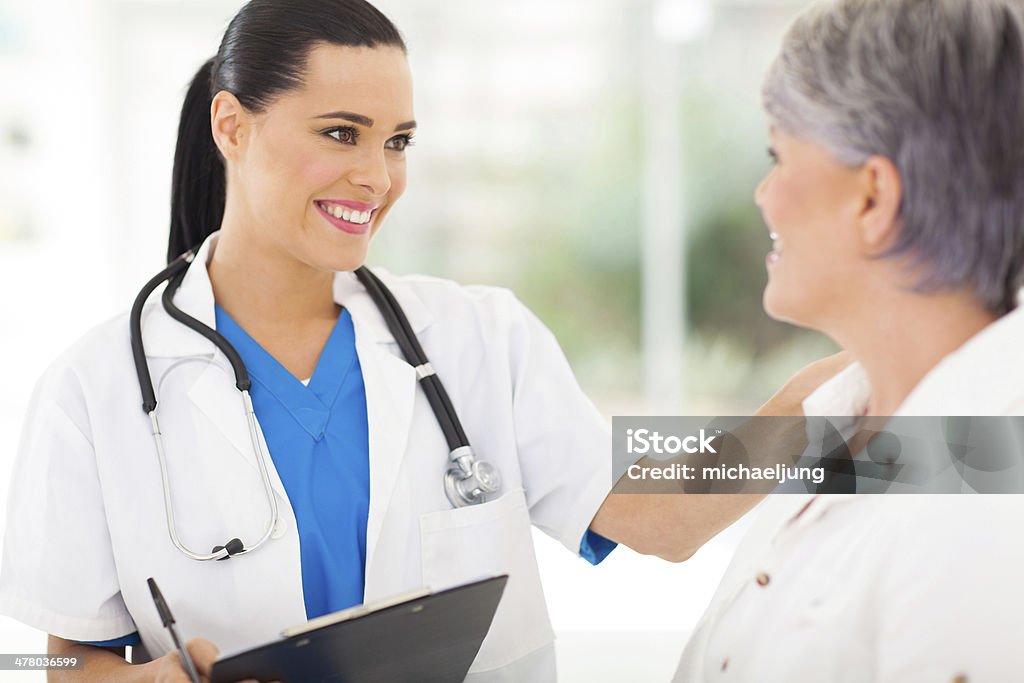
(467, 480)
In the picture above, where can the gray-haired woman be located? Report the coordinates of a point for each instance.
(896, 210)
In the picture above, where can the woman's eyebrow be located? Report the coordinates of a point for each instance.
(363, 120)
(348, 116)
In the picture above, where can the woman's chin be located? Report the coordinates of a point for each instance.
(771, 303)
(348, 262)
(779, 305)
(338, 260)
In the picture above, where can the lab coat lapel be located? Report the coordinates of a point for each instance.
(390, 395)
(391, 387)
(214, 393)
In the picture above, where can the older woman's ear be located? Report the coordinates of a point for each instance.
(882, 189)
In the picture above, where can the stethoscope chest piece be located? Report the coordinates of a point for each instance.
(469, 481)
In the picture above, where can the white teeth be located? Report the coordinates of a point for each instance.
(345, 214)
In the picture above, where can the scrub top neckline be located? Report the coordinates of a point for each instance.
(309, 404)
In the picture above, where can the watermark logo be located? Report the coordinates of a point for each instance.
(651, 442)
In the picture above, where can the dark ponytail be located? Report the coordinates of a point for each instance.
(262, 55)
(198, 180)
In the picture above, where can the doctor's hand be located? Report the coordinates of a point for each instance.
(672, 526)
(789, 399)
(203, 653)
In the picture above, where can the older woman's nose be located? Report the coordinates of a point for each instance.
(759, 191)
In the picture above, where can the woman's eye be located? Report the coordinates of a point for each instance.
(345, 135)
(399, 143)
(773, 155)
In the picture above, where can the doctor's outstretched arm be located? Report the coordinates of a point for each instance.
(674, 526)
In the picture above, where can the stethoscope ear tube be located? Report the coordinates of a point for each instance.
(399, 326)
(179, 264)
(241, 374)
(467, 481)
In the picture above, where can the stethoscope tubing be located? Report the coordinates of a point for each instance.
(466, 475)
(400, 328)
(237, 364)
(135, 325)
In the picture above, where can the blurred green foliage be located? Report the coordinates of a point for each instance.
(566, 231)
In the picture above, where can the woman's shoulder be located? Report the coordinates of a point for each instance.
(104, 339)
(446, 299)
(434, 290)
(940, 529)
(469, 317)
(97, 352)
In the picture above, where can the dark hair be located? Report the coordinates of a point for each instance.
(263, 55)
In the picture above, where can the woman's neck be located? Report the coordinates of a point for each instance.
(899, 341)
(261, 285)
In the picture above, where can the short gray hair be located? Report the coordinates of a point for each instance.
(937, 86)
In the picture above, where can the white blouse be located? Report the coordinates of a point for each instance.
(851, 588)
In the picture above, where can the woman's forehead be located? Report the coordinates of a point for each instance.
(347, 78)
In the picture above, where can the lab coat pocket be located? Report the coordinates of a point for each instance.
(492, 538)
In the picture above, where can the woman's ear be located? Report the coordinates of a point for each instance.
(228, 119)
(879, 218)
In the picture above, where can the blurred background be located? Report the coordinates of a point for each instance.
(598, 157)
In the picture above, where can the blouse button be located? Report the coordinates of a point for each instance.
(725, 664)
(960, 678)
(763, 579)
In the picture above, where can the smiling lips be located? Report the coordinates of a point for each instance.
(347, 215)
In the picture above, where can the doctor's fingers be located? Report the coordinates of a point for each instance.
(789, 399)
(203, 654)
(170, 670)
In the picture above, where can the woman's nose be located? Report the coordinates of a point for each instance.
(759, 191)
(372, 173)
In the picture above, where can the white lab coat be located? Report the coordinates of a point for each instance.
(86, 511)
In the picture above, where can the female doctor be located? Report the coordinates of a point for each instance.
(291, 152)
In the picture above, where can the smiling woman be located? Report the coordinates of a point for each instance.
(318, 182)
(290, 155)
(896, 207)
(310, 180)
(291, 152)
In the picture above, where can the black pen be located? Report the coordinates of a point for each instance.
(168, 619)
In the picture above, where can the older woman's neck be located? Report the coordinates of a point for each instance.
(900, 340)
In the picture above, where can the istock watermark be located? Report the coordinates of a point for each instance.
(842, 454)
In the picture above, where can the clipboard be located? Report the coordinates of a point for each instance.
(430, 637)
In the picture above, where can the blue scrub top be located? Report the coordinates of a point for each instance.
(318, 438)
(319, 441)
